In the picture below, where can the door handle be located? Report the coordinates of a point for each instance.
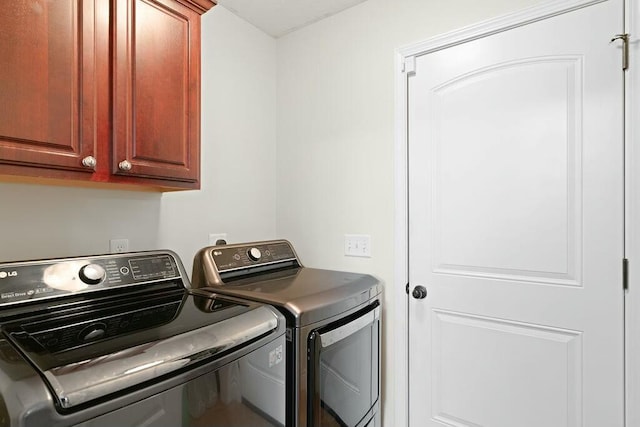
(335, 335)
(419, 292)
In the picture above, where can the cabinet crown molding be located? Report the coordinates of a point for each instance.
(200, 6)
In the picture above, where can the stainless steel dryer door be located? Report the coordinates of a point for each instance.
(343, 370)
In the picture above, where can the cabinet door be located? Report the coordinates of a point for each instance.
(47, 84)
(156, 109)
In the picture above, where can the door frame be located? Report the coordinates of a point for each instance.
(405, 66)
(632, 215)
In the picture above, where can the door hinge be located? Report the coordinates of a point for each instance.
(625, 48)
(409, 65)
(407, 289)
(625, 274)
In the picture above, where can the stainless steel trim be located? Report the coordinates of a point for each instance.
(335, 335)
(81, 382)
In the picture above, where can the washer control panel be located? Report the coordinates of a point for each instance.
(233, 257)
(33, 280)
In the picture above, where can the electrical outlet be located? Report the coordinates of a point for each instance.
(357, 245)
(217, 239)
(118, 245)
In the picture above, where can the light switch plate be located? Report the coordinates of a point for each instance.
(357, 245)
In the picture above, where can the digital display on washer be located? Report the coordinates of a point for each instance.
(157, 267)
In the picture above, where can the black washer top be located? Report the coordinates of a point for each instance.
(94, 326)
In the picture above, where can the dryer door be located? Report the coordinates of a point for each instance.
(344, 369)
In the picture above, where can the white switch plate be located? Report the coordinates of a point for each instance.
(214, 237)
(357, 245)
(118, 245)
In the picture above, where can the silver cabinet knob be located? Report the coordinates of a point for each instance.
(125, 165)
(89, 162)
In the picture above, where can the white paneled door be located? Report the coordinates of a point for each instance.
(516, 227)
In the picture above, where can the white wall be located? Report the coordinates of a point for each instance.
(335, 155)
(238, 137)
(48, 222)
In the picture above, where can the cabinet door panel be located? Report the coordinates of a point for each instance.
(47, 83)
(156, 91)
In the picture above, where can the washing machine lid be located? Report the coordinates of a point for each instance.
(180, 335)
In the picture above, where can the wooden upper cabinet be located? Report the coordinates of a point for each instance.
(156, 89)
(48, 88)
(115, 81)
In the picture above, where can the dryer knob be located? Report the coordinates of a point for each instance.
(254, 254)
(92, 274)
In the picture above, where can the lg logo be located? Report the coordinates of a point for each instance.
(4, 274)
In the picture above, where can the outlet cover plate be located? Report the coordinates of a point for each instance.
(117, 246)
(214, 237)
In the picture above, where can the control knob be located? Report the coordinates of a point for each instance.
(254, 254)
(92, 274)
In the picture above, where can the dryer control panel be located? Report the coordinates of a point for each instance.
(233, 257)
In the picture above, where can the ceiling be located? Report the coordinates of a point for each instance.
(279, 17)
